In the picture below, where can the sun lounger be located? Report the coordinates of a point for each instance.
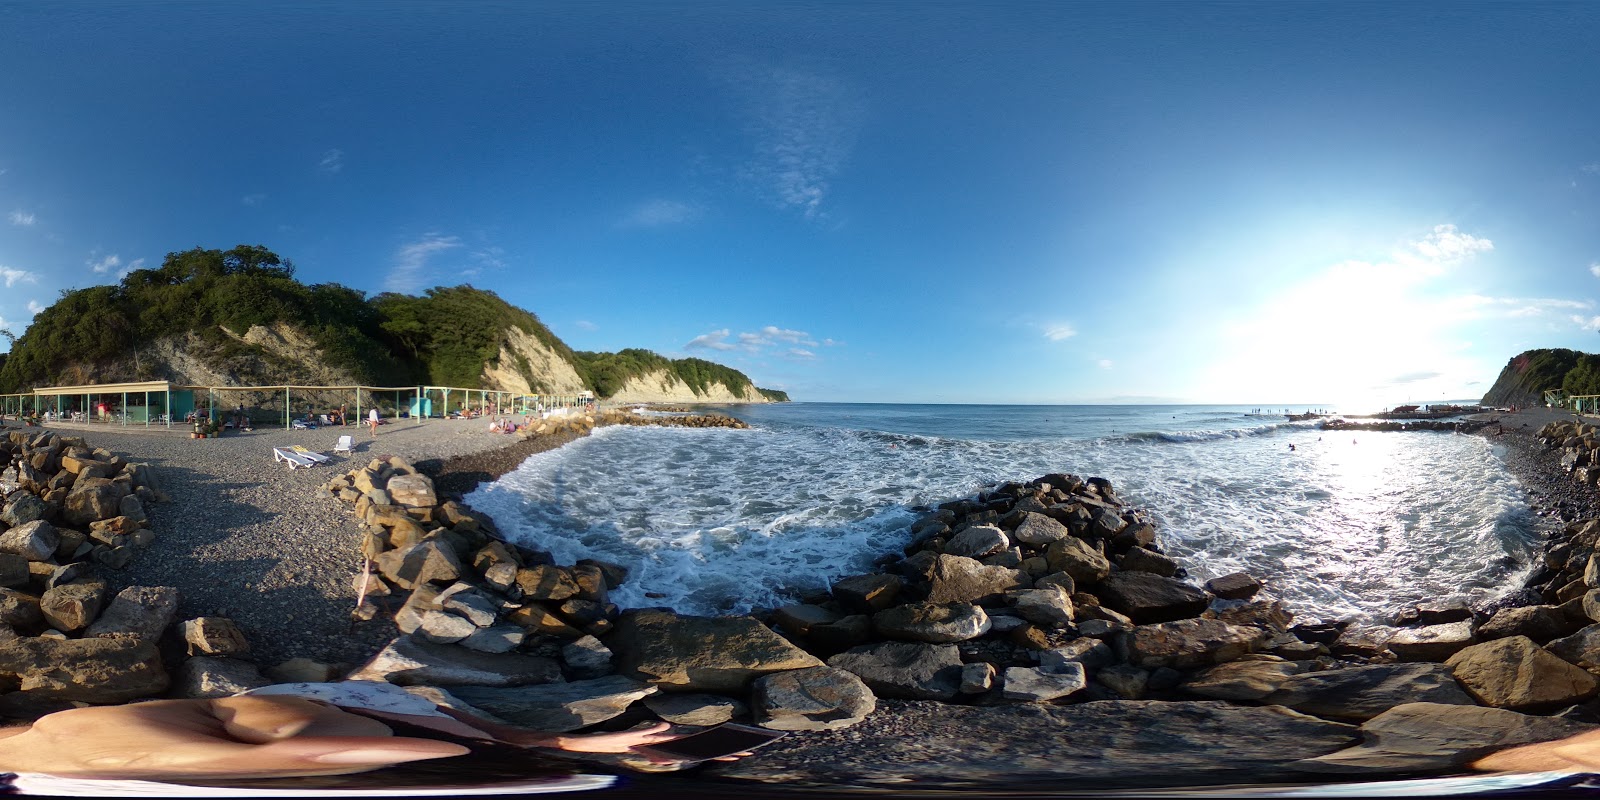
(295, 460)
(347, 444)
(311, 454)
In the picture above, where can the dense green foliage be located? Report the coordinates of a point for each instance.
(775, 395)
(443, 338)
(1527, 376)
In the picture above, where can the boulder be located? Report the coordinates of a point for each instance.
(1045, 747)
(411, 491)
(70, 607)
(977, 541)
(1186, 644)
(1076, 558)
(1138, 559)
(848, 632)
(695, 709)
(1091, 653)
(1242, 680)
(20, 610)
(131, 508)
(1361, 693)
(203, 677)
(1433, 737)
(711, 654)
(214, 636)
(35, 541)
(955, 579)
(977, 677)
(1147, 598)
(1039, 530)
(811, 699)
(406, 661)
(1060, 579)
(1234, 586)
(934, 623)
(442, 627)
(1581, 648)
(1364, 641)
(1050, 607)
(905, 670)
(1034, 685)
(799, 619)
(303, 670)
(1516, 673)
(1125, 681)
(587, 657)
(1435, 612)
(557, 707)
(547, 582)
(23, 508)
(1539, 623)
(424, 562)
(90, 500)
(868, 594)
(87, 670)
(14, 572)
(137, 612)
(1432, 642)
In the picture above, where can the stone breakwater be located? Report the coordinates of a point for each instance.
(1462, 426)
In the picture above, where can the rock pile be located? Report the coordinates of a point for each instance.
(1463, 426)
(68, 511)
(582, 424)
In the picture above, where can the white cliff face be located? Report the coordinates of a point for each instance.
(664, 387)
(554, 373)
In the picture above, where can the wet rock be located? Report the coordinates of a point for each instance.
(694, 709)
(1361, 693)
(1515, 673)
(932, 623)
(137, 612)
(1148, 598)
(868, 594)
(1186, 644)
(1432, 642)
(1430, 737)
(711, 654)
(1034, 685)
(905, 670)
(1234, 586)
(812, 699)
(557, 707)
(1242, 680)
(411, 662)
(1363, 641)
(1539, 623)
(1437, 612)
(203, 677)
(1138, 559)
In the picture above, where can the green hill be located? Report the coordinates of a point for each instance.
(239, 317)
(1527, 376)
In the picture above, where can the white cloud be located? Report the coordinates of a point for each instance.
(715, 340)
(1105, 363)
(253, 199)
(804, 125)
(660, 213)
(801, 354)
(12, 277)
(1056, 333)
(34, 307)
(1591, 168)
(1594, 269)
(332, 160)
(585, 325)
(1587, 323)
(411, 262)
(104, 265)
(831, 343)
(22, 218)
(1448, 245)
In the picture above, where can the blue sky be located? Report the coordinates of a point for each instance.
(1004, 202)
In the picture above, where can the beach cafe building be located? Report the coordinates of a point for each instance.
(160, 403)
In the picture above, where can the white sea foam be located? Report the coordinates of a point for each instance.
(721, 520)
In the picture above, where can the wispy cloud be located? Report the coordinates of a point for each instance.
(332, 160)
(103, 265)
(585, 325)
(1594, 269)
(1447, 245)
(660, 214)
(12, 277)
(22, 218)
(411, 262)
(1105, 363)
(804, 124)
(255, 199)
(1591, 168)
(34, 307)
(831, 343)
(1058, 332)
(789, 343)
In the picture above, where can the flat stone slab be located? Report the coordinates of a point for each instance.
(1361, 693)
(411, 662)
(1417, 737)
(1046, 747)
(557, 707)
(706, 654)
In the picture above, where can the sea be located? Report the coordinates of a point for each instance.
(1338, 525)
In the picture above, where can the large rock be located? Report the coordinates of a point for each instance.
(1044, 747)
(1581, 648)
(1039, 530)
(1432, 642)
(1539, 623)
(547, 582)
(35, 541)
(932, 623)
(955, 579)
(1076, 558)
(813, 699)
(424, 562)
(412, 491)
(1049, 608)
(205, 677)
(214, 636)
(799, 619)
(706, 654)
(23, 508)
(1242, 680)
(1186, 644)
(867, 594)
(1091, 653)
(695, 709)
(137, 612)
(1361, 693)
(70, 607)
(1515, 673)
(406, 661)
(1430, 737)
(905, 670)
(1146, 597)
(20, 610)
(86, 670)
(91, 500)
(557, 707)
(1234, 586)
(977, 541)
(1035, 685)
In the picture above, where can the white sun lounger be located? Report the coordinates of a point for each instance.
(347, 444)
(311, 454)
(294, 459)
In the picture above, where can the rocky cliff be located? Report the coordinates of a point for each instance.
(664, 387)
(1526, 376)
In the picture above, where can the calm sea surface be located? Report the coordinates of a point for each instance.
(723, 520)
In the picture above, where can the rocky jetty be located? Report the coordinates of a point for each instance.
(1457, 426)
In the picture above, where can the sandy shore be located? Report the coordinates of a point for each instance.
(247, 538)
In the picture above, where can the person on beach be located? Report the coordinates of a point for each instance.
(373, 419)
(344, 415)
